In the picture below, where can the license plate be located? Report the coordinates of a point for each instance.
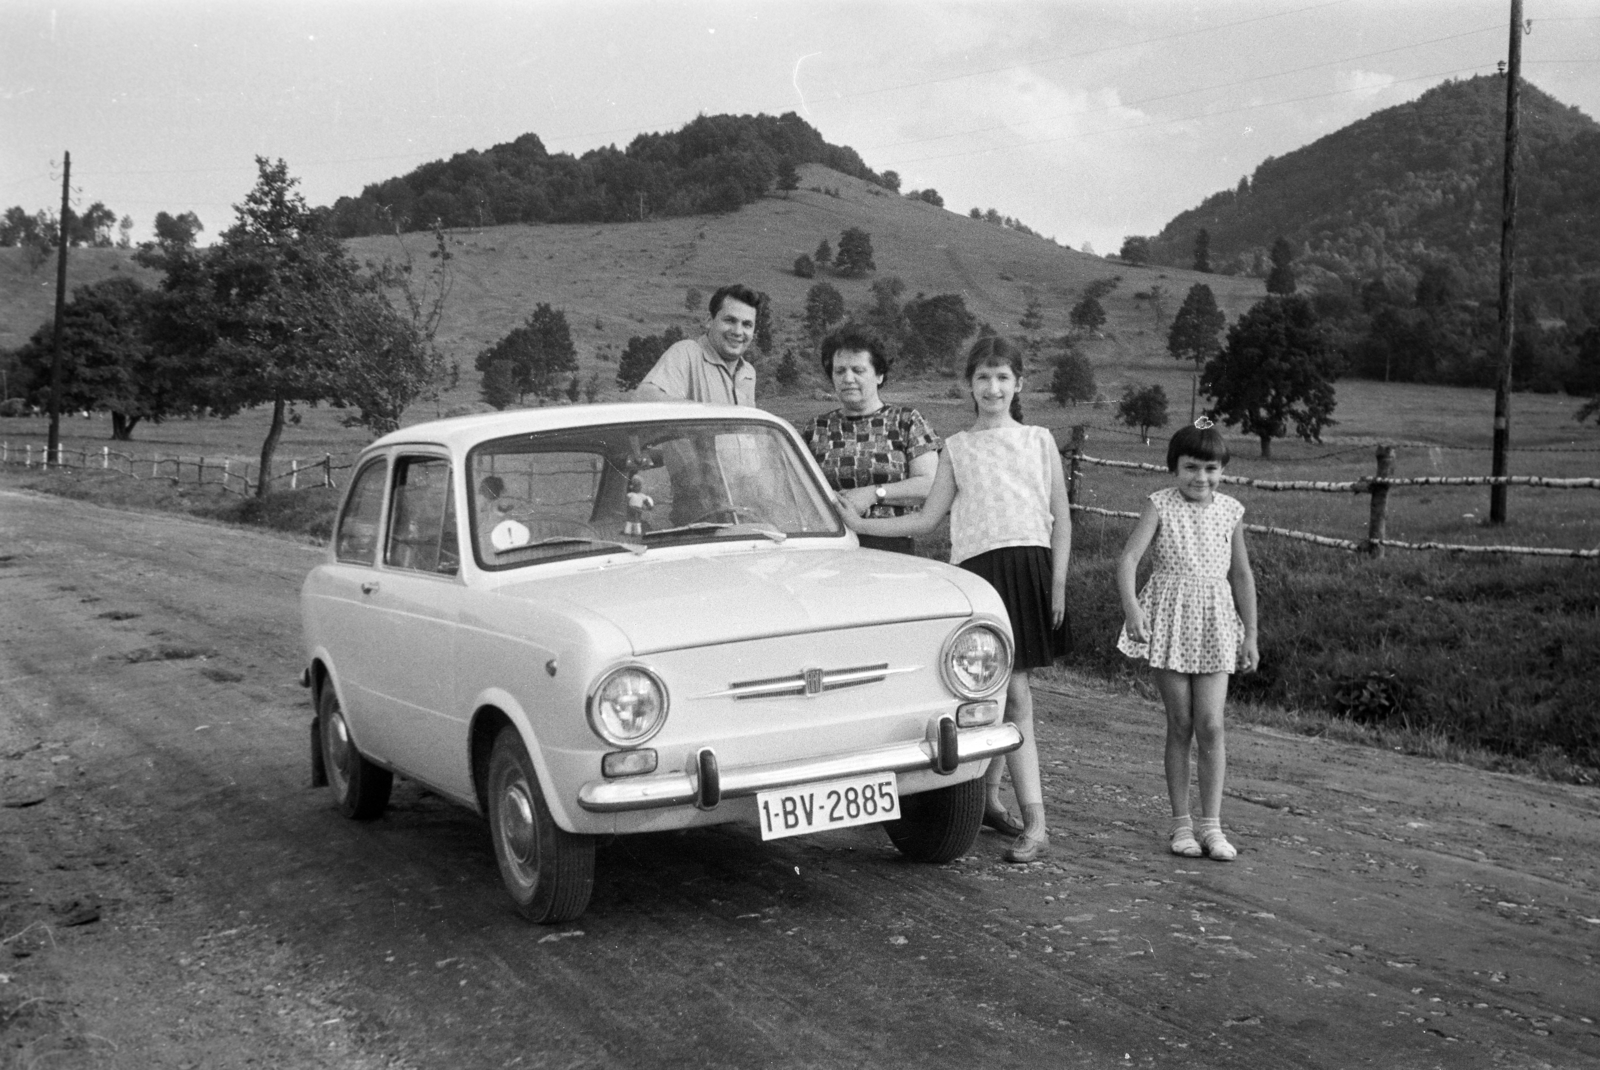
(832, 804)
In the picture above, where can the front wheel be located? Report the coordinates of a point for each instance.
(939, 825)
(549, 872)
(360, 787)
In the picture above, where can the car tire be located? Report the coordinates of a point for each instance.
(548, 871)
(939, 825)
(360, 788)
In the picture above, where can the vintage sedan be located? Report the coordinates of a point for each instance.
(608, 619)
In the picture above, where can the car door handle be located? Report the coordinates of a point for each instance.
(368, 586)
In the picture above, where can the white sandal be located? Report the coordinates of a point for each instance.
(1183, 841)
(1214, 843)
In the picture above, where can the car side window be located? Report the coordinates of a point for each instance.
(422, 526)
(357, 538)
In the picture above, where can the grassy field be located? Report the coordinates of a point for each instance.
(1457, 655)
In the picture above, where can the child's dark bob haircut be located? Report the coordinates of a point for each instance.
(1207, 445)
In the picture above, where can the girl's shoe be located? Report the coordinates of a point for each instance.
(1183, 841)
(1214, 843)
(1027, 848)
(1000, 819)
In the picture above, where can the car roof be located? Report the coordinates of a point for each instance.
(463, 432)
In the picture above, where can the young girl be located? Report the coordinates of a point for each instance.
(1001, 483)
(1195, 622)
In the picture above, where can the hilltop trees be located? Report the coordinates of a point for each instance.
(1194, 332)
(1277, 369)
(1135, 249)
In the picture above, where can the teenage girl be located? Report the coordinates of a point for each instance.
(1001, 483)
(1195, 622)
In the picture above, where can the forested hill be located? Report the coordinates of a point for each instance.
(1414, 185)
(717, 163)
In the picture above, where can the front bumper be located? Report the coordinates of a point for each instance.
(942, 751)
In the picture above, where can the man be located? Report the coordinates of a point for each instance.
(710, 368)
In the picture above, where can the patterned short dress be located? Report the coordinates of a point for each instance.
(1188, 603)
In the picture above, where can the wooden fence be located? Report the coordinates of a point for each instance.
(229, 474)
(1376, 486)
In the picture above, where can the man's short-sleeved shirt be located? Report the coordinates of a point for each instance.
(692, 371)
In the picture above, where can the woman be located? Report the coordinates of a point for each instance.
(880, 458)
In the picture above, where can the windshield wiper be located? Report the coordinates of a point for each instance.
(588, 540)
(765, 531)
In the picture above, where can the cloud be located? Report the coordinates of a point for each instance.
(1365, 83)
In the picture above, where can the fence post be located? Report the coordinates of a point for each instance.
(294, 475)
(28, 457)
(1377, 521)
(1075, 464)
(327, 469)
(105, 457)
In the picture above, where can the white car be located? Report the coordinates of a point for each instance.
(610, 619)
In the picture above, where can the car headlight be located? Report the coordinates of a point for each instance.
(976, 661)
(627, 706)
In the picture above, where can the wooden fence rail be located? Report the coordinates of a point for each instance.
(1376, 486)
(229, 474)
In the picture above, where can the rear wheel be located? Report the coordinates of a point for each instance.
(360, 788)
(548, 871)
(939, 825)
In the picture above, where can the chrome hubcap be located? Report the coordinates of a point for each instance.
(517, 827)
(340, 752)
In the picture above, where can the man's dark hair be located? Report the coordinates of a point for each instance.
(737, 291)
(854, 340)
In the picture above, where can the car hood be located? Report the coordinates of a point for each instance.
(669, 603)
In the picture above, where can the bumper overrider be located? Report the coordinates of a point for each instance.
(944, 749)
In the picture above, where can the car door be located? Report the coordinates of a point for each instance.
(341, 607)
(414, 608)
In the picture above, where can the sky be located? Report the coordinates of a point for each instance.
(1087, 120)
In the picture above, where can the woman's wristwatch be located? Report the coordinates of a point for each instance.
(880, 493)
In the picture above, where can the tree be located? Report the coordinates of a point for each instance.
(641, 354)
(1135, 249)
(1277, 368)
(107, 359)
(824, 254)
(855, 253)
(694, 301)
(1073, 379)
(1194, 333)
(937, 329)
(788, 371)
(805, 267)
(1143, 407)
(1280, 280)
(884, 317)
(125, 232)
(276, 312)
(788, 175)
(763, 339)
(1158, 299)
(499, 387)
(540, 351)
(1202, 251)
(1033, 315)
(929, 196)
(1087, 315)
(824, 308)
(591, 387)
(93, 226)
(179, 230)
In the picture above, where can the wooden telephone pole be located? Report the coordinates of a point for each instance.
(1508, 244)
(52, 449)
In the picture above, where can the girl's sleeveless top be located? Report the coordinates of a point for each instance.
(1188, 603)
(1002, 489)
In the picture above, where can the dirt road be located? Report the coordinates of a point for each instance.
(173, 894)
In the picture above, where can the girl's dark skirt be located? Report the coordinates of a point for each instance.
(1021, 576)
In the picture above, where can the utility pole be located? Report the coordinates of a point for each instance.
(52, 450)
(1508, 245)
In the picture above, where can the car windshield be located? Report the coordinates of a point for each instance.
(637, 486)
